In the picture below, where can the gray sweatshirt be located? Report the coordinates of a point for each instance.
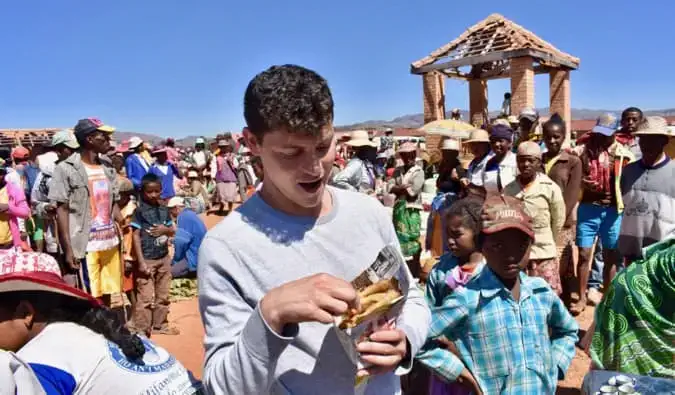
(257, 248)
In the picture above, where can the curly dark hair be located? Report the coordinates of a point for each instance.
(288, 97)
(59, 308)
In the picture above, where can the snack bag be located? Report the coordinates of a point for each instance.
(382, 288)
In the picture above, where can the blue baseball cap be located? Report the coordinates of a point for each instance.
(606, 124)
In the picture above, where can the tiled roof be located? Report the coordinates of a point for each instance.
(26, 137)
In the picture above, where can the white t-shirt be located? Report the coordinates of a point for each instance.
(70, 357)
(199, 158)
(17, 377)
(502, 175)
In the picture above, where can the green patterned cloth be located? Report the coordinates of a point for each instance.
(408, 225)
(635, 322)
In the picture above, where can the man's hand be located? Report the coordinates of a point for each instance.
(384, 350)
(466, 379)
(160, 230)
(317, 298)
(50, 209)
(71, 263)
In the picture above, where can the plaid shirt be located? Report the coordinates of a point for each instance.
(147, 216)
(504, 343)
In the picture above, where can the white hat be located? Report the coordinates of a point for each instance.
(175, 202)
(360, 138)
(192, 173)
(199, 140)
(450, 144)
(134, 142)
(653, 126)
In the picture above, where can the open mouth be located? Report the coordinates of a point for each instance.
(310, 187)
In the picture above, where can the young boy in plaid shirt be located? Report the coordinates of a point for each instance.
(152, 227)
(512, 333)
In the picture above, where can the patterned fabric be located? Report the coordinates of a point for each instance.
(408, 225)
(565, 244)
(510, 347)
(445, 277)
(634, 326)
(14, 260)
(547, 269)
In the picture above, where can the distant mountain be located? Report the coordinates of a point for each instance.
(417, 120)
(402, 122)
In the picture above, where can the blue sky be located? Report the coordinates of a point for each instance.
(176, 67)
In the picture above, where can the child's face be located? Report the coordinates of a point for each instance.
(460, 238)
(507, 252)
(151, 193)
(296, 164)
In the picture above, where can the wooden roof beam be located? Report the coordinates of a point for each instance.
(491, 57)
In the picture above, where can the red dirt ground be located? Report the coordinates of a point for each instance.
(188, 346)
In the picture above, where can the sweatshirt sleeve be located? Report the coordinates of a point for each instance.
(415, 317)
(241, 349)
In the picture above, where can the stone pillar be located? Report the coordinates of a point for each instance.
(433, 86)
(522, 84)
(478, 102)
(560, 96)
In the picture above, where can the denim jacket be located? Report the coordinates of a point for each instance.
(70, 184)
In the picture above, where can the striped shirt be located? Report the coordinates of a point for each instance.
(503, 342)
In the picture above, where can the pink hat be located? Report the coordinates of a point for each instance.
(31, 271)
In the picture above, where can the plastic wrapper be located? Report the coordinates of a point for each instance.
(382, 290)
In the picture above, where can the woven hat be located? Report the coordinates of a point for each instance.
(360, 138)
(606, 124)
(407, 147)
(501, 121)
(450, 145)
(192, 174)
(505, 212)
(512, 119)
(529, 113)
(134, 142)
(175, 202)
(478, 136)
(529, 148)
(653, 126)
(38, 272)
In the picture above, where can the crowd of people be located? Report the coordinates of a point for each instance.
(92, 234)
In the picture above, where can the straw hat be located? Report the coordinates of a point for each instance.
(360, 138)
(192, 174)
(653, 126)
(407, 147)
(176, 201)
(43, 274)
(512, 119)
(450, 145)
(478, 136)
(134, 142)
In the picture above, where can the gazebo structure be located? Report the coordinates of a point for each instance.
(496, 48)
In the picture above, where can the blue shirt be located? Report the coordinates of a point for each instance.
(503, 342)
(135, 167)
(167, 179)
(189, 235)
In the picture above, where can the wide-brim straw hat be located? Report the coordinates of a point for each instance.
(478, 136)
(407, 147)
(653, 126)
(360, 138)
